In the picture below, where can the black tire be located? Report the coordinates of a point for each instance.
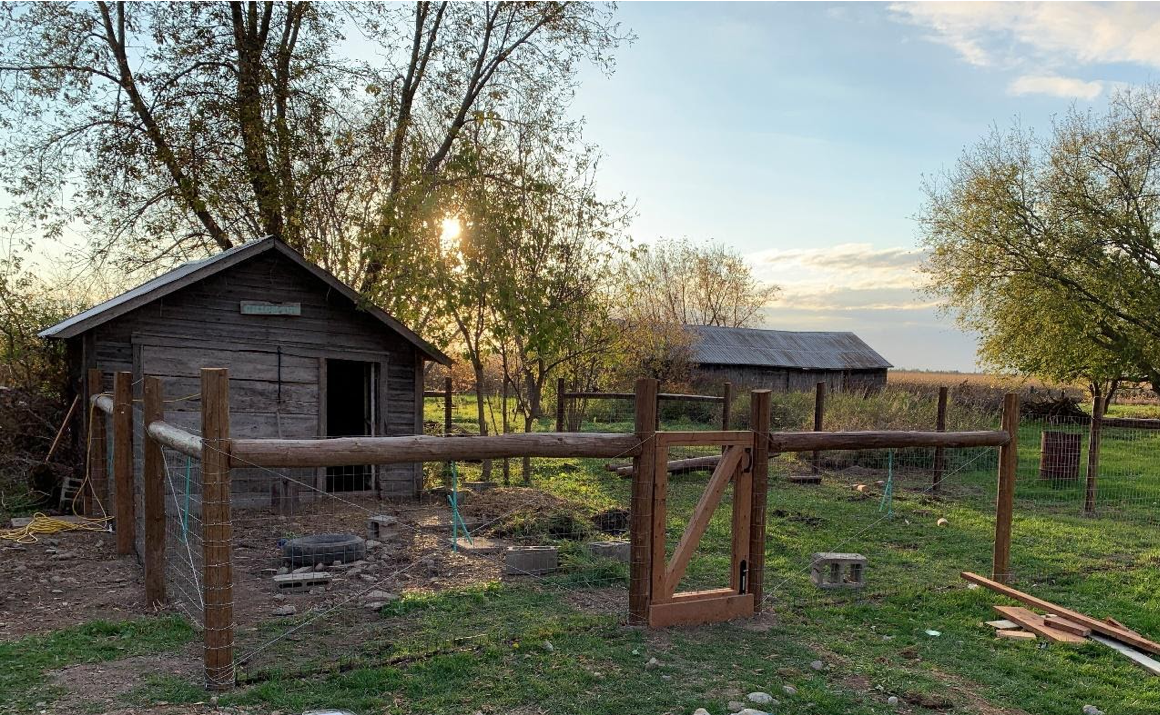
(323, 549)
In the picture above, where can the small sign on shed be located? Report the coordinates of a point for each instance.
(261, 307)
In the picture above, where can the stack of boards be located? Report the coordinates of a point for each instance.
(1062, 625)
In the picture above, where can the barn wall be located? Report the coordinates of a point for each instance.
(786, 380)
(202, 326)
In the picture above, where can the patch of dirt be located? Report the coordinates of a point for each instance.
(101, 685)
(64, 580)
(600, 601)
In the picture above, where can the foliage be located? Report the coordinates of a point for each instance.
(1048, 248)
(174, 130)
(27, 306)
(664, 287)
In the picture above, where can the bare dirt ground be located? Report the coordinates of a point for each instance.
(64, 580)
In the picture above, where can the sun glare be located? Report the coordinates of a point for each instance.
(452, 227)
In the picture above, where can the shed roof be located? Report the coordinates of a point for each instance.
(783, 348)
(189, 273)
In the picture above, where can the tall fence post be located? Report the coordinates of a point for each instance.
(726, 405)
(507, 464)
(640, 514)
(819, 420)
(1093, 461)
(940, 425)
(446, 406)
(123, 462)
(97, 455)
(759, 406)
(153, 478)
(560, 404)
(217, 529)
(1005, 499)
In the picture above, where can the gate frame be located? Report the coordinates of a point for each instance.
(668, 607)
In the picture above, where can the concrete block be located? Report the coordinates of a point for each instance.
(618, 549)
(531, 560)
(378, 525)
(831, 569)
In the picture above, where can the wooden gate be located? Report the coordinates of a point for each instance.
(669, 607)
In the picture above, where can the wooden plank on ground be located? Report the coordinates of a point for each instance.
(1062, 624)
(1113, 622)
(1015, 635)
(1132, 654)
(19, 522)
(1002, 624)
(1133, 639)
(1036, 624)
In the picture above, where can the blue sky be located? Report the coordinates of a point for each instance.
(799, 133)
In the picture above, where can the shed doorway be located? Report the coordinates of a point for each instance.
(351, 387)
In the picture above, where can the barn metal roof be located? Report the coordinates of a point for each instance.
(783, 348)
(194, 271)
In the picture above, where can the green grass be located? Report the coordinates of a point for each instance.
(25, 662)
(481, 647)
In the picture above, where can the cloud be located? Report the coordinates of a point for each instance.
(1049, 34)
(851, 276)
(1066, 87)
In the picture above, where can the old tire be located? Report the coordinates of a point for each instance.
(323, 549)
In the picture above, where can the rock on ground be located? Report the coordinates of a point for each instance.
(760, 698)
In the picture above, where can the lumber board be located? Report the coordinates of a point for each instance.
(674, 466)
(1112, 621)
(697, 611)
(1131, 653)
(1003, 624)
(1015, 635)
(1036, 624)
(1062, 624)
(19, 522)
(1131, 638)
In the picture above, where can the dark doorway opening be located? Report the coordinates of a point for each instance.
(350, 412)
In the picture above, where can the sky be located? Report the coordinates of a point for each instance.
(799, 134)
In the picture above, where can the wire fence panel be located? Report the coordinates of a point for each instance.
(184, 562)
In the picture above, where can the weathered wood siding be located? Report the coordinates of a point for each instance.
(783, 380)
(202, 326)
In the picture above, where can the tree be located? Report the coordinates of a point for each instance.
(670, 285)
(172, 130)
(1048, 248)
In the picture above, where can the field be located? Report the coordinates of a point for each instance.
(558, 644)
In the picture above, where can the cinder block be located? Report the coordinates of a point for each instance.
(619, 549)
(838, 570)
(531, 560)
(378, 524)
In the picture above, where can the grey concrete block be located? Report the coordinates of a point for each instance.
(831, 569)
(531, 560)
(619, 549)
(378, 525)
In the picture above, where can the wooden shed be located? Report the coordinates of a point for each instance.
(786, 361)
(307, 358)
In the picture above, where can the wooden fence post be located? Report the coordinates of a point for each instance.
(560, 404)
(819, 420)
(1005, 499)
(97, 455)
(1093, 462)
(447, 406)
(125, 509)
(726, 405)
(940, 425)
(154, 501)
(759, 407)
(217, 529)
(640, 514)
(507, 464)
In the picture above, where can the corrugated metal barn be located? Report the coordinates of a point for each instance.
(786, 361)
(307, 358)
